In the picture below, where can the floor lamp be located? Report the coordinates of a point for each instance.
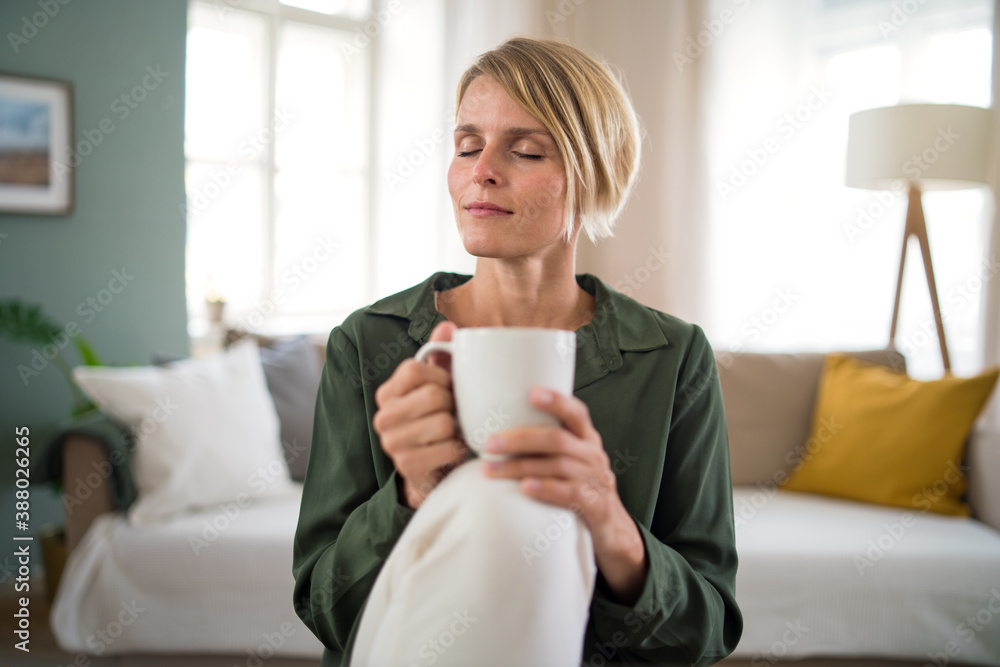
(930, 147)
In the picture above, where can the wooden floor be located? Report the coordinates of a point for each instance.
(44, 652)
(42, 645)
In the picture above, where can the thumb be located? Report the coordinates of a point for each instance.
(442, 332)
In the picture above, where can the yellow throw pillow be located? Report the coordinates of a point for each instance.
(882, 437)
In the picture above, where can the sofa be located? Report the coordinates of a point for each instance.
(803, 584)
(823, 577)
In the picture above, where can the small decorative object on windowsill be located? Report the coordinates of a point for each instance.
(208, 329)
(216, 310)
(215, 302)
(930, 147)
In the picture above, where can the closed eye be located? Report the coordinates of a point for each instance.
(525, 156)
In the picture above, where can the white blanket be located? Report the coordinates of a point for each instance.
(219, 581)
(821, 576)
(459, 590)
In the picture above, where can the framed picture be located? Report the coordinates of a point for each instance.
(36, 130)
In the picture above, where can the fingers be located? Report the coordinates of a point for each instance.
(423, 467)
(442, 332)
(557, 467)
(425, 400)
(418, 462)
(570, 494)
(409, 375)
(415, 422)
(538, 440)
(570, 410)
(417, 433)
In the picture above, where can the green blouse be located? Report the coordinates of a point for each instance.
(652, 386)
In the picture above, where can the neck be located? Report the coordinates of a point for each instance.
(520, 292)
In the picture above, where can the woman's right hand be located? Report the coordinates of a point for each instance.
(415, 421)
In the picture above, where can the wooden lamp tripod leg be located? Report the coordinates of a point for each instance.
(917, 226)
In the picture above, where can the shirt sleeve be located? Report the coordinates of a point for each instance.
(687, 611)
(348, 521)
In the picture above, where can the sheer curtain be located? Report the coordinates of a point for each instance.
(991, 320)
(799, 261)
(659, 251)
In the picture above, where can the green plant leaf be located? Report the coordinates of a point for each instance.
(25, 322)
(82, 407)
(87, 353)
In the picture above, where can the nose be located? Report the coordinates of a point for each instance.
(486, 170)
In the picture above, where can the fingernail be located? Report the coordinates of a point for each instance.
(543, 395)
(495, 444)
(491, 466)
(532, 485)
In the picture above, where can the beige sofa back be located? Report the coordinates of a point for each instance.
(769, 402)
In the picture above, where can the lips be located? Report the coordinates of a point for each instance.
(485, 209)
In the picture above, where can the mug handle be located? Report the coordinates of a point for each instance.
(433, 346)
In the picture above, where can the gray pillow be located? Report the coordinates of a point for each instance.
(292, 369)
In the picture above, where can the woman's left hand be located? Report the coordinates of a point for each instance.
(567, 466)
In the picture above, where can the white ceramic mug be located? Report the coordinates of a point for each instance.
(493, 370)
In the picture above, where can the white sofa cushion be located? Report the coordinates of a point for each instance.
(215, 581)
(206, 430)
(823, 576)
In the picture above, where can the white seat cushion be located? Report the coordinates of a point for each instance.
(823, 576)
(216, 581)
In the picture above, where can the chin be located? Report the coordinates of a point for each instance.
(495, 242)
(494, 248)
(490, 249)
(485, 241)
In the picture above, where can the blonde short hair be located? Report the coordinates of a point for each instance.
(586, 110)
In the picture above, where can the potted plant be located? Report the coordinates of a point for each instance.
(25, 323)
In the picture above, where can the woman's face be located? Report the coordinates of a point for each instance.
(506, 179)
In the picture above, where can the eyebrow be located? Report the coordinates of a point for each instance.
(513, 131)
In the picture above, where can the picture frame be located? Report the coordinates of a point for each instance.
(36, 133)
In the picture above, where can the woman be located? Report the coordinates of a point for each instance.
(546, 145)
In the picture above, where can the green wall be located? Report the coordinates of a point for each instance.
(126, 214)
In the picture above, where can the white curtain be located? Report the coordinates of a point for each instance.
(991, 303)
(658, 254)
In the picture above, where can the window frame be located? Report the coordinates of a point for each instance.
(275, 14)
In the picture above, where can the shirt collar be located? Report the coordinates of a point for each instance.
(620, 323)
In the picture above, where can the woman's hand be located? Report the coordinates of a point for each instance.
(567, 466)
(415, 421)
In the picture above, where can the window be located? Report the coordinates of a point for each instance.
(277, 146)
(789, 269)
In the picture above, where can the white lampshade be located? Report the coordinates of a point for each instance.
(939, 146)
